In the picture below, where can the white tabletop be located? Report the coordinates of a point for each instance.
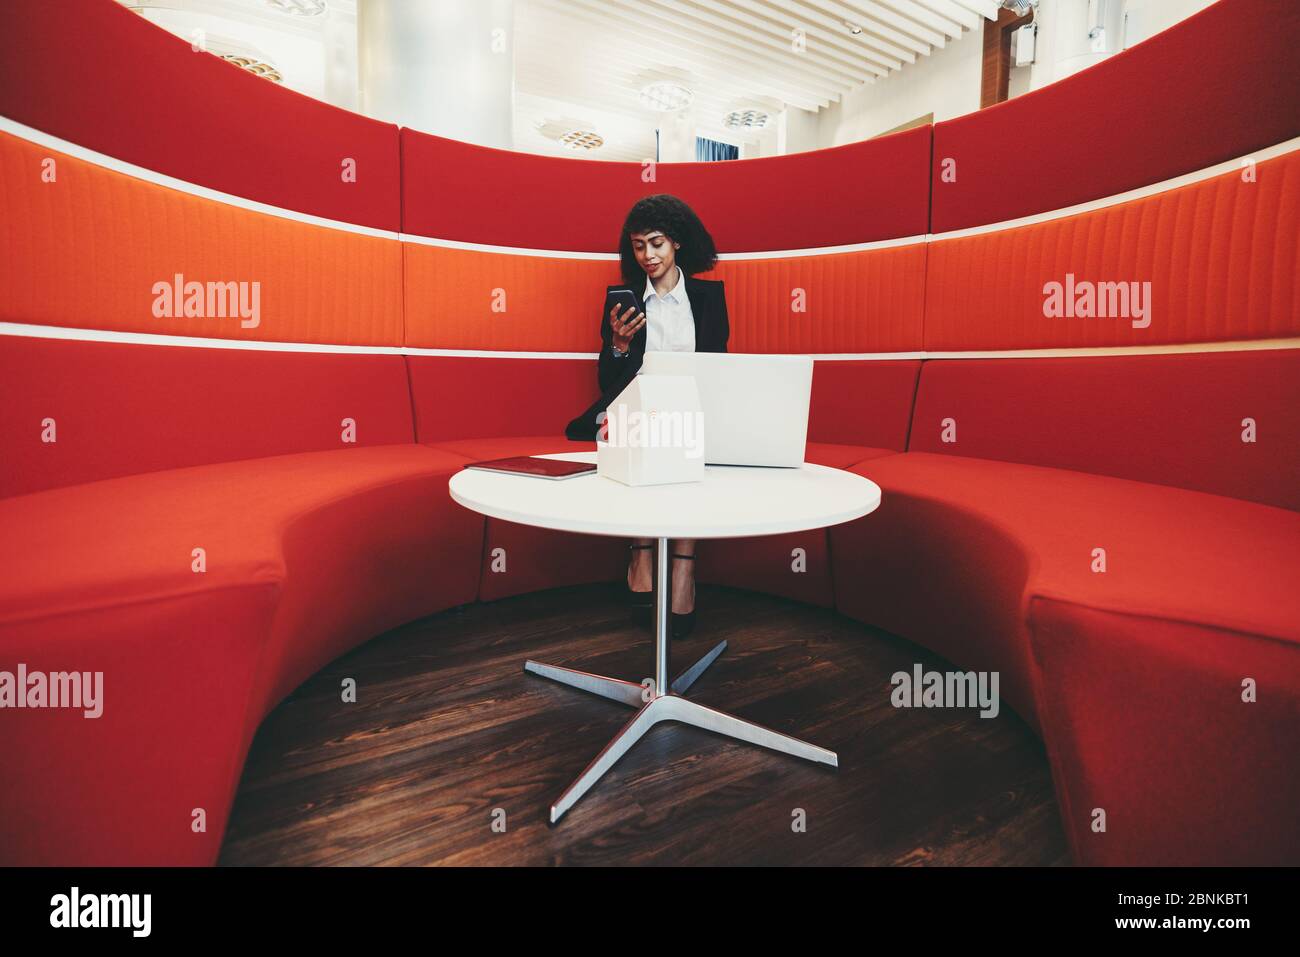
(731, 502)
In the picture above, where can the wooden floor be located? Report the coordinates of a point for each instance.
(447, 728)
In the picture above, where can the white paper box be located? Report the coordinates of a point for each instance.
(653, 433)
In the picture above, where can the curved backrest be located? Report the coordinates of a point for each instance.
(1223, 422)
(1226, 84)
(104, 78)
(862, 192)
(136, 170)
(77, 411)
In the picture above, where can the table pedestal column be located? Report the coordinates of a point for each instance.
(654, 704)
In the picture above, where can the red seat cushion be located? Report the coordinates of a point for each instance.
(796, 565)
(1171, 553)
(841, 456)
(306, 556)
(479, 450)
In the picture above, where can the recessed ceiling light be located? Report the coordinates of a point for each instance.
(582, 140)
(749, 119)
(666, 96)
(253, 65)
(298, 8)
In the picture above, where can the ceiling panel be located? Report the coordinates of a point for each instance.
(589, 59)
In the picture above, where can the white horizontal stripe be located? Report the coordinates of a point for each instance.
(490, 354)
(198, 342)
(1209, 172)
(153, 339)
(252, 345)
(826, 250)
(613, 257)
(181, 186)
(505, 250)
(1175, 348)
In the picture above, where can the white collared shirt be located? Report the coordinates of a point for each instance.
(670, 324)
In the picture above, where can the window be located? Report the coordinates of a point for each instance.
(707, 150)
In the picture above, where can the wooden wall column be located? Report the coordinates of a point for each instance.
(997, 55)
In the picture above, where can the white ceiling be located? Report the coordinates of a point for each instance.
(587, 59)
(581, 63)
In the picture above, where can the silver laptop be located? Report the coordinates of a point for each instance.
(755, 406)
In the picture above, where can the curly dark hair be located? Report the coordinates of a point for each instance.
(679, 223)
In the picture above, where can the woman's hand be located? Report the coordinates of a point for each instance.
(625, 326)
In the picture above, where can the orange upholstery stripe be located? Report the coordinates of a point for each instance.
(471, 299)
(863, 301)
(1221, 256)
(86, 250)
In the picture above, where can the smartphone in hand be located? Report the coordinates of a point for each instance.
(625, 299)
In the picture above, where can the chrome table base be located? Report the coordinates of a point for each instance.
(654, 705)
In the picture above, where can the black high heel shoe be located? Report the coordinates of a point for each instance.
(639, 600)
(683, 625)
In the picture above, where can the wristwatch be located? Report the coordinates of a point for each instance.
(614, 349)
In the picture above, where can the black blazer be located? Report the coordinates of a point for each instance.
(712, 330)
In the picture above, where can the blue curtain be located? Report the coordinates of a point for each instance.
(708, 151)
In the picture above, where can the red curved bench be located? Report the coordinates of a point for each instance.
(982, 549)
(1133, 676)
(306, 554)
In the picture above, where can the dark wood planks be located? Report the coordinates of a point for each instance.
(447, 727)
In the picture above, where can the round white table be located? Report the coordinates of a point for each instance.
(731, 502)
